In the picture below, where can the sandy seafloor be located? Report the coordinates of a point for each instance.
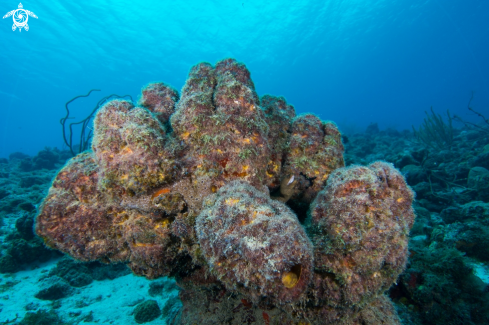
(108, 301)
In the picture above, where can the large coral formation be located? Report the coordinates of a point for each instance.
(278, 115)
(198, 188)
(129, 144)
(222, 125)
(231, 229)
(159, 99)
(315, 150)
(106, 229)
(360, 225)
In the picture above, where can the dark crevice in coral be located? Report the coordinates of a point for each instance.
(184, 267)
(310, 179)
(300, 209)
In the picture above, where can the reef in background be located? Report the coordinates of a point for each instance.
(246, 205)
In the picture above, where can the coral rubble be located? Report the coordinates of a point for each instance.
(206, 187)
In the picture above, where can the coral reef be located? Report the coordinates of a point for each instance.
(160, 99)
(231, 228)
(315, 150)
(361, 224)
(249, 207)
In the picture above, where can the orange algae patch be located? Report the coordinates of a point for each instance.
(122, 219)
(160, 192)
(185, 135)
(350, 186)
(143, 245)
(231, 201)
(126, 151)
(291, 278)
(162, 224)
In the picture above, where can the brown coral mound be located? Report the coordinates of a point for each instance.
(159, 99)
(197, 188)
(220, 121)
(278, 115)
(315, 150)
(82, 221)
(231, 229)
(129, 144)
(360, 225)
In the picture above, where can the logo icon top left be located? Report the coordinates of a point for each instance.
(20, 17)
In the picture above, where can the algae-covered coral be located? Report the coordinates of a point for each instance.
(205, 187)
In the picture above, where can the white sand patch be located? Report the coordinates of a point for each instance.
(481, 271)
(109, 301)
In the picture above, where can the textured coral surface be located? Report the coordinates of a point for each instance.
(255, 245)
(249, 207)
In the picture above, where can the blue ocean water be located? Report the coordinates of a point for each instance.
(353, 62)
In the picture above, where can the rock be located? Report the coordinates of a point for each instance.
(481, 160)
(171, 309)
(25, 165)
(100, 271)
(423, 190)
(414, 174)
(146, 311)
(3, 161)
(478, 178)
(75, 273)
(405, 160)
(45, 159)
(25, 252)
(54, 288)
(458, 170)
(431, 205)
(420, 154)
(32, 306)
(24, 226)
(41, 317)
(163, 286)
(156, 288)
(475, 210)
(372, 129)
(444, 155)
(79, 274)
(27, 206)
(3, 193)
(392, 132)
(17, 155)
(29, 181)
(8, 264)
